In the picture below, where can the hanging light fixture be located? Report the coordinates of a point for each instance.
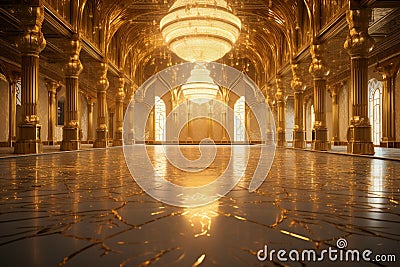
(200, 87)
(200, 30)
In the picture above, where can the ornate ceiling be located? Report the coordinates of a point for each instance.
(126, 33)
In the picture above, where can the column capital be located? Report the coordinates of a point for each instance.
(121, 89)
(90, 100)
(32, 41)
(103, 83)
(51, 85)
(358, 41)
(296, 83)
(389, 68)
(280, 93)
(13, 77)
(318, 66)
(334, 89)
(73, 67)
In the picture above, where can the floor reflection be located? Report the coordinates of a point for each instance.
(84, 209)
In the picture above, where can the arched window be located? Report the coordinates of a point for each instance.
(239, 120)
(159, 118)
(60, 111)
(312, 116)
(375, 109)
(18, 92)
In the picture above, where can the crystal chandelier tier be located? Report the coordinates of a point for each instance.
(200, 87)
(200, 30)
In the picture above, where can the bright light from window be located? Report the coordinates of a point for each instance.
(375, 111)
(239, 120)
(160, 117)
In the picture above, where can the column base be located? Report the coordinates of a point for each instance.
(50, 142)
(282, 139)
(101, 139)
(28, 141)
(71, 140)
(270, 138)
(298, 139)
(360, 148)
(390, 144)
(129, 139)
(321, 142)
(117, 139)
(359, 140)
(335, 141)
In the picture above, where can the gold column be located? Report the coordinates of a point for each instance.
(247, 123)
(281, 107)
(269, 134)
(12, 111)
(305, 101)
(119, 112)
(189, 138)
(31, 43)
(110, 124)
(388, 71)
(224, 126)
(52, 110)
(90, 102)
(359, 44)
(102, 130)
(297, 86)
(210, 120)
(319, 72)
(334, 90)
(71, 130)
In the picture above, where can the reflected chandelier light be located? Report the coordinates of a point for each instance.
(200, 87)
(200, 30)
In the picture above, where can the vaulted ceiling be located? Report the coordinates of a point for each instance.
(126, 33)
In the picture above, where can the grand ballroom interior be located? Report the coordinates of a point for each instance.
(294, 103)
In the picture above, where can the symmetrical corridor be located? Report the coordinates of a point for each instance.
(67, 209)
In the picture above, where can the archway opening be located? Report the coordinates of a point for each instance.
(159, 119)
(375, 109)
(239, 120)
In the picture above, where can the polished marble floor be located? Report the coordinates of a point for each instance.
(84, 209)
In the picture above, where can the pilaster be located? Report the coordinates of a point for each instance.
(334, 91)
(119, 112)
(12, 105)
(298, 87)
(71, 130)
(30, 44)
(51, 110)
(281, 107)
(358, 44)
(102, 129)
(388, 70)
(90, 104)
(319, 71)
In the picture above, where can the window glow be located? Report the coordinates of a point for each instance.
(239, 120)
(160, 118)
(375, 110)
